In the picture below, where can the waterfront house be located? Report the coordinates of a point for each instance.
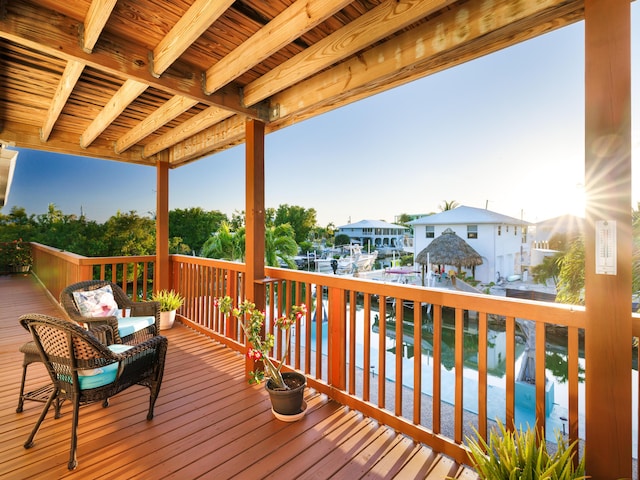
(378, 234)
(500, 240)
(163, 84)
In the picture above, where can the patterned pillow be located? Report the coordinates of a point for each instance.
(97, 303)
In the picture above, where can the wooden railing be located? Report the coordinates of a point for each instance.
(448, 348)
(56, 269)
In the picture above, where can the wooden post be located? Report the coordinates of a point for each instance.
(254, 221)
(608, 238)
(162, 279)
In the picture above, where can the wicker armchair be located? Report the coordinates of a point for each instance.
(83, 370)
(125, 330)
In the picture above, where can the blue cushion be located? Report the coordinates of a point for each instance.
(99, 377)
(130, 325)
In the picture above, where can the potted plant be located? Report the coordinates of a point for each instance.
(286, 390)
(16, 256)
(169, 301)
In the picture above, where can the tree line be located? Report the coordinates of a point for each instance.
(289, 229)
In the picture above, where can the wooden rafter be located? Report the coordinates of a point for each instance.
(195, 124)
(94, 23)
(167, 112)
(298, 18)
(70, 76)
(418, 49)
(121, 60)
(198, 18)
(123, 97)
(376, 24)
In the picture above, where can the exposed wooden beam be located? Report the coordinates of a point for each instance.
(167, 112)
(384, 20)
(413, 53)
(218, 137)
(129, 91)
(188, 128)
(96, 19)
(421, 51)
(68, 81)
(297, 19)
(194, 23)
(28, 136)
(115, 57)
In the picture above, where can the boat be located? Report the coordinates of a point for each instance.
(351, 261)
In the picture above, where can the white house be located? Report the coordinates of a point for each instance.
(500, 240)
(376, 232)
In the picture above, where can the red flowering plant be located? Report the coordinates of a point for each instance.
(252, 320)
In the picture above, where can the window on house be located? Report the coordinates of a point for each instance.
(499, 230)
(515, 231)
(472, 231)
(431, 232)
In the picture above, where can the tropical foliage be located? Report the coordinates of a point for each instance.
(514, 455)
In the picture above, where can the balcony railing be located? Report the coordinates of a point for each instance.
(429, 362)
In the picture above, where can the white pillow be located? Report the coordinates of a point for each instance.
(97, 303)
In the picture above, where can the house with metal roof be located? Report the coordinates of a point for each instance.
(500, 240)
(377, 233)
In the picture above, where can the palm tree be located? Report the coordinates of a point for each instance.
(448, 205)
(280, 246)
(221, 244)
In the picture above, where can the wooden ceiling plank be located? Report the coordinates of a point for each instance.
(129, 91)
(194, 23)
(97, 16)
(176, 106)
(420, 45)
(300, 17)
(382, 21)
(68, 81)
(188, 128)
(123, 60)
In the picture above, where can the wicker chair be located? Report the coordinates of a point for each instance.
(137, 309)
(83, 370)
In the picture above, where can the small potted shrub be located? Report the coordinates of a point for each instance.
(169, 301)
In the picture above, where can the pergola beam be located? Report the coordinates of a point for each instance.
(115, 57)
(97, 16)
(127, 93)
(384, 20)
(68, 81)
(194, 23)
(297, 19)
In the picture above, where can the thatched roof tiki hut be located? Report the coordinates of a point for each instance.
(449, 249)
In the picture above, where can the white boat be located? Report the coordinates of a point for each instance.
(352, 261)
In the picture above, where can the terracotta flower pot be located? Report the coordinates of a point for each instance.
(288, 402)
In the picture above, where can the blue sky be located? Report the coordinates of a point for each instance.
(505, 132)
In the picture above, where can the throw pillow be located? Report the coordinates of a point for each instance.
(97, 303)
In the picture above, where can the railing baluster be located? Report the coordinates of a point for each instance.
(437, 362)
(510, 373)
(459, 362)
(366, 350)
(382, 350)
(541, 379)
(417, 363)
(482, 374)
(399, 347)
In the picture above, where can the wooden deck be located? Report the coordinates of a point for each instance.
(208, 422)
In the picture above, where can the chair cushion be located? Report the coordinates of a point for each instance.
(97, 303)
(98, 377)
(130, 325)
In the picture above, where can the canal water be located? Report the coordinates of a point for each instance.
(556, 363)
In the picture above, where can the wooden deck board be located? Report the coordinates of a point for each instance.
(209, 423)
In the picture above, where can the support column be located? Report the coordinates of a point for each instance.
(254, 217)
(162, 277)
(608, 238)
